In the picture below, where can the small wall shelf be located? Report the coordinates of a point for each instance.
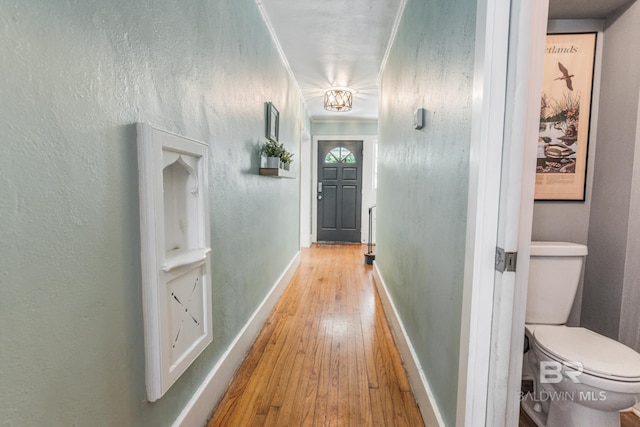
(277, 173)
(184, 258)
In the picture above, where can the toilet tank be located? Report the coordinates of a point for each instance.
(554, 274)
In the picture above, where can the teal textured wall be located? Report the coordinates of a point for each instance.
(423, 180)
(76, 77)
(344, 128)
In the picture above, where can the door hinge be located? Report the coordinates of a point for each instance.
(506, 261)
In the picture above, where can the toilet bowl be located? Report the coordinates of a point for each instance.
(580, 378)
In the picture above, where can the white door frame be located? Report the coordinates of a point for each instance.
(528, 36)
(304, 171)
(368, 191)
(492, 31)
(505, 119)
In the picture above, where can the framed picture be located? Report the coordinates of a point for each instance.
(565, 110)
(273, 122)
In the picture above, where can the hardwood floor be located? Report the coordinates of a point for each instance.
(325, 356)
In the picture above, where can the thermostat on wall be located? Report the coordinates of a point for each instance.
(418, 121)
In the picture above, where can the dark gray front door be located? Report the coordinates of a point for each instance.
(339, 191)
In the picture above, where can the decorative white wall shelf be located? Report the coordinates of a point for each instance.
(175, 240)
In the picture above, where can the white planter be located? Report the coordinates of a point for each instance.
(273, 162)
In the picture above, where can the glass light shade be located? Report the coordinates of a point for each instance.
(340, 100)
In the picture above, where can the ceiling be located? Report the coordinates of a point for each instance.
(585, 9)
(344, 43)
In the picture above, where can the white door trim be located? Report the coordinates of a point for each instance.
(505, 117)
(305, 169)
(492, 30)
(524, 86)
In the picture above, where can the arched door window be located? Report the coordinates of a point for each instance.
(340, 155)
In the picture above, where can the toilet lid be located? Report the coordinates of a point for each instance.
(600, 356)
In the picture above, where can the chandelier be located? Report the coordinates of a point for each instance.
(338, 99)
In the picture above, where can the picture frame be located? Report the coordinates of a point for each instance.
(565, 115)
(273, 122)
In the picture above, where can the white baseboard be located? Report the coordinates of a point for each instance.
(419, 384)
(634, 410)
(204, 400)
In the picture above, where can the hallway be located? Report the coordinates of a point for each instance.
(325, 356)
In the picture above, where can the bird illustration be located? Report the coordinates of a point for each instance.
(565, 76)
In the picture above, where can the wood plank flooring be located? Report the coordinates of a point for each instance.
(325, 357)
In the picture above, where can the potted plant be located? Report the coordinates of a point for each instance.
(287, 159)
(272, 151)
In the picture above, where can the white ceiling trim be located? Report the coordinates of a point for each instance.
(392, 39)
(283, 57)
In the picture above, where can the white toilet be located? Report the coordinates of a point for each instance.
(580, 378)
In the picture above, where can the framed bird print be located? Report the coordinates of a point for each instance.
(565, 109)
